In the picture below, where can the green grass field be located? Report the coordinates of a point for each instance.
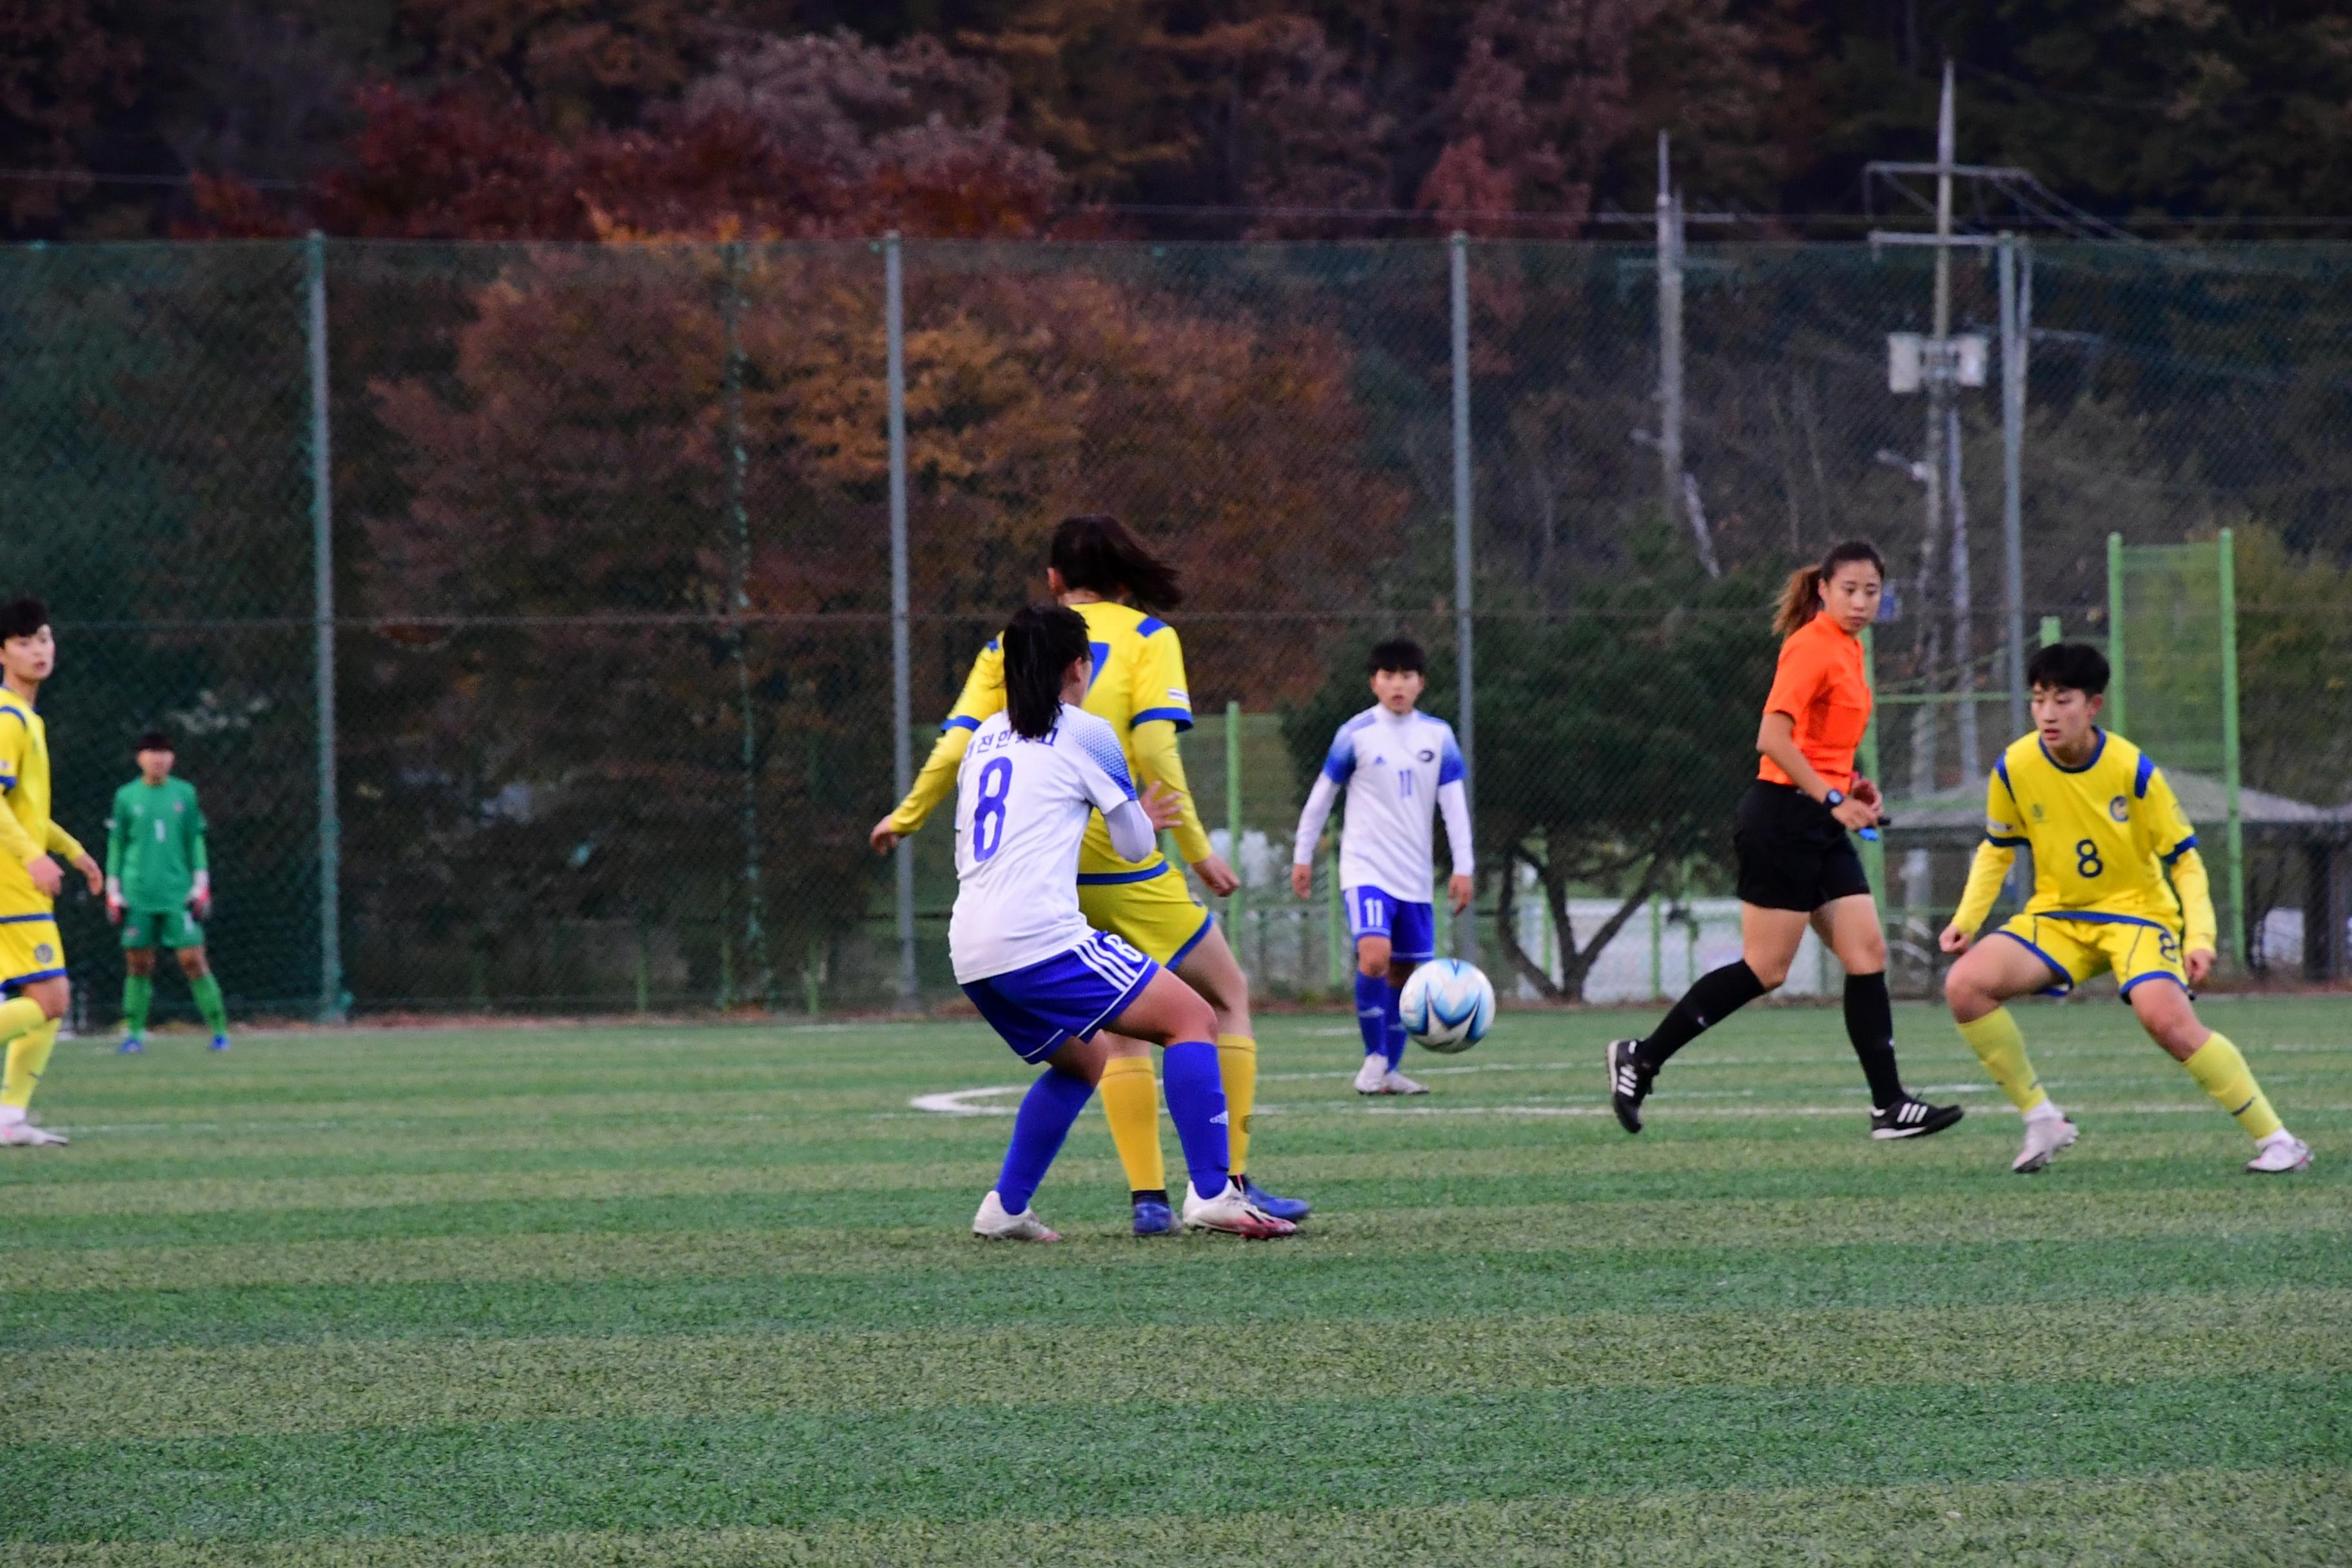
(665, 1295)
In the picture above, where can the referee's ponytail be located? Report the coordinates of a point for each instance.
(1041, 643)
(1800, 595)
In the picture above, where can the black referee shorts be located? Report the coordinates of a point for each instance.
(1794, 855)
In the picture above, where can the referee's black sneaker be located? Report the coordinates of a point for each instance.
(1629, 1082)
(1910, 1118)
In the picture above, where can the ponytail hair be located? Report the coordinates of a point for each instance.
(1800, 595)
(1040, 644)
(1096, 551)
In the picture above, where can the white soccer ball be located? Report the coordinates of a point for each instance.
(1448, 1005)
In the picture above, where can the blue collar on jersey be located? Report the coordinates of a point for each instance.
(2096, 753)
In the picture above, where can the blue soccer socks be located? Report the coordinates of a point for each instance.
(1047, 1112)
(1195, 1090)
(1375, 1006)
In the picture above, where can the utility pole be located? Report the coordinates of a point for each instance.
(2015, 308)
(1670, 336)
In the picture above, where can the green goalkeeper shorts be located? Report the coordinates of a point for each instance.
(161, 928)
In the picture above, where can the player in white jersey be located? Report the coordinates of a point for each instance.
(1399, 767)
(1032, 779)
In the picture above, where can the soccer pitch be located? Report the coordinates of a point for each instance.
(705, 1295)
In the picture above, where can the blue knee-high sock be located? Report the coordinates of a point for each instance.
(1196, 1103)
(1393, 1000)
(1375, 1006)
(1047, 1112)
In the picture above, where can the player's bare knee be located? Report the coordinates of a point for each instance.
(1863, 954)
(140, 961)
(1770, 972)
(192, 963)
(1372, 957)
(1965, 995)
(51, 997)
(1196, 1020)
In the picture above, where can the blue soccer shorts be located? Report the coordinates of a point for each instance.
(1411, 929)
(1069, 995)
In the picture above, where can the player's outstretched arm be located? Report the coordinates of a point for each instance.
(1317, 812)
(933, 785)
(1986, 874)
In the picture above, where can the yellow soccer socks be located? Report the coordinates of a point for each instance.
(28, 1054)
(1237, 1066)
(2001, 1047)
(2223, 1073)
(1130, 1097)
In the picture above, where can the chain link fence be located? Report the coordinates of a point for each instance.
(612, 550)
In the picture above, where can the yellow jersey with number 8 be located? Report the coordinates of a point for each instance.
(2103, 834)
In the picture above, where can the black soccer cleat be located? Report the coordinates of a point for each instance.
(1911, 1118)
(1629, 1082)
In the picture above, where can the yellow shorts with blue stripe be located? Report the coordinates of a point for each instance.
(1151, 907)
(30, 950)
(2078, 947)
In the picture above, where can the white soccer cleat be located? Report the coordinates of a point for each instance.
(2044, 1136)
(25, 1135)
(1231, 1213)
(2282, 1150)
(1372, 1078)
(993, 1224)
(1400, 1084)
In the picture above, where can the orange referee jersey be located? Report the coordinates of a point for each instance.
(1821, 684)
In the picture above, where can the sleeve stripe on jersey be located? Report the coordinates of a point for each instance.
(14, 711)
(1177, 716)
(7, 781)
(2007, 843)
(2000, 769)
(1098, 744)
(2140, 779)
(2183, 847)
(959, 721)
(1149, 626)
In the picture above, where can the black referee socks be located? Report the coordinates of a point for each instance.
(1870, 1024)
(1716, 995)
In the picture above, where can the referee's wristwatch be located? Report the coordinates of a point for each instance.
(1834, 799)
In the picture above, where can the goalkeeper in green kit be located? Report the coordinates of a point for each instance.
(158, 885)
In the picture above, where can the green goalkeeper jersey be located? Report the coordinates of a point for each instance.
(155, 844)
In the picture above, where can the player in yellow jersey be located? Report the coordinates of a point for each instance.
(1100, 569)
(32, 958)
(2104, 827)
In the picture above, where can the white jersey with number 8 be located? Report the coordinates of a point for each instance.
(1022, 808)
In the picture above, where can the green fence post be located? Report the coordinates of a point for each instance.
(322, 609)
(1236, 907)
(2115, 720)
(1334, 930)
(2052, 632)
(2230, 759)
(1873, 851)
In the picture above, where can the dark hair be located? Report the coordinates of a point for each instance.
(2070, 665)
(1398, 656)
(21, 617)
(1040, 644)
(153, 741)
(1097, 553)
(1800, 595)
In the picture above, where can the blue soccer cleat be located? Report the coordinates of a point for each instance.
(1153, 1216)
(220, 1042)
(129, 1046)
(1292, 1209)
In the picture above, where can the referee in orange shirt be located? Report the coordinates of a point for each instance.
(1797, 864)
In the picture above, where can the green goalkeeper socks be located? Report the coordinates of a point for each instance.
(205, 989)
(138, 994)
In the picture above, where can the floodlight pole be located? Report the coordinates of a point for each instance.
(902, 686)
(1465, 930)
(1670, 338)
(2013, 350)
(322, 604)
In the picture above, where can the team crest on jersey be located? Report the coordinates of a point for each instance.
(2120, 809)
(1426, 755)
(2037, 813)
(44, 954)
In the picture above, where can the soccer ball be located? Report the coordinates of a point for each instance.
(1448, 1005)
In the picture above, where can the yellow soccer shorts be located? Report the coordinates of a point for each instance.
(2078, 947)
(1155, 910)
(30, 950)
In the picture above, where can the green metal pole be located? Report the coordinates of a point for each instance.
(1657, 950)
(2230, 759)
(322, 563)
(1237, 907)
(1334, 930)
(2053, 632)
(2115, 720)
(1873, 851)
